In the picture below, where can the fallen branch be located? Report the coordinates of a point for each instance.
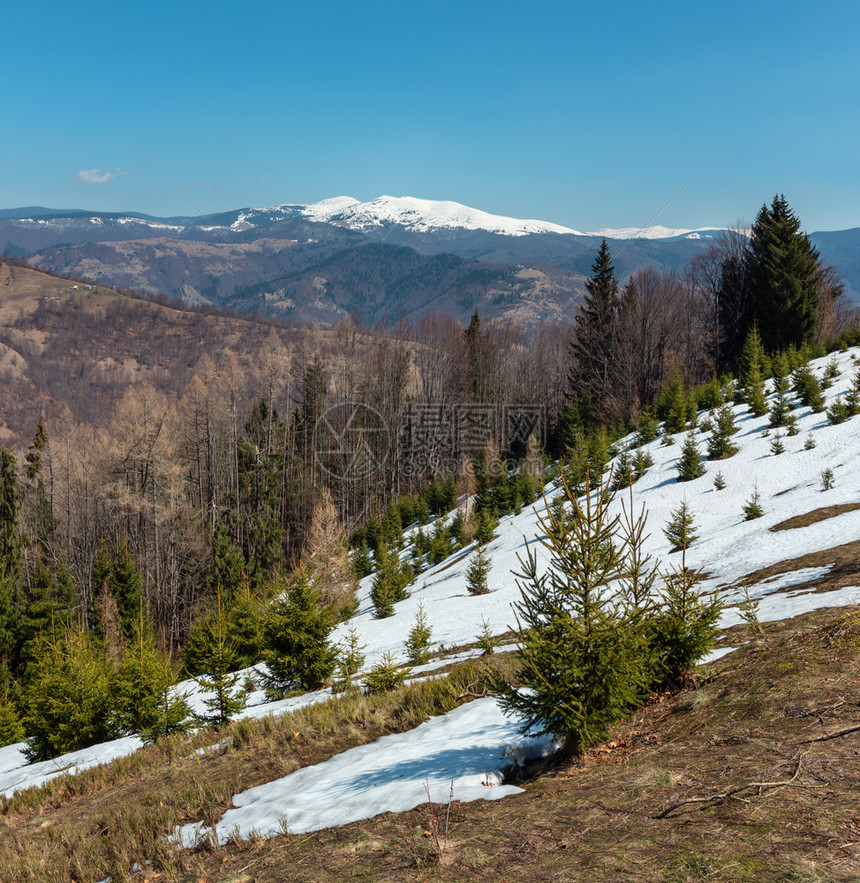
(830, 736)
(470, 694)
(816, 712)
(730, 795)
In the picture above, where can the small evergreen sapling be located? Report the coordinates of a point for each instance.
(719, 482)
(142, 696)
(418, 641)
(218, 675)
(809, 444)
(642, 461)
(385, 675)
(648, 428)
(580, 666)
(350, 659)
(638, 573)
(675, 405)
(808, 389)
(776, 445)
(67, 696)
(748, 610)
(440, 543)
(752, 373)
(11, 728)
(486, 640)
(623, 473)
(485, 526)
(852, 397)
(779, 368)
(780, 411)
(685, 626)
(690, 465)
(720, 446)
(476, 574)
(827, 480)
(752, 508)
(838, 412)
(681, 529)
(849, 405)
(362, 563)
(390, 582)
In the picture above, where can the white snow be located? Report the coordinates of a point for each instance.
(475, 740)
(422, 216)
(17, 775)
(657, 232)
(468, 750)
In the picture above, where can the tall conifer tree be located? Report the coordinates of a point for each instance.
(783, 272)
(595, 333)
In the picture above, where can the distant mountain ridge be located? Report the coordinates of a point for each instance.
(410, 213)
(308, 260)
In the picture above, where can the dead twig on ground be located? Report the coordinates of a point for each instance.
(827, 737)
(732, 794)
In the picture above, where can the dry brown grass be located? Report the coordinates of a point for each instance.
(99, 823)
(594, 819)
(22, 289)
(816, 515)
(750, 718)
(843, 561)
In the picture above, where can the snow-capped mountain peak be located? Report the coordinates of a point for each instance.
(422, 216)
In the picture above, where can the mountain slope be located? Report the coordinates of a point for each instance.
(72, 350)
(382, 281)
(774, 725)
(118, 248)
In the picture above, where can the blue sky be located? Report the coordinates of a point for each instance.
(588, 115)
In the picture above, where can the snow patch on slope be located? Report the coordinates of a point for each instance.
(463, 754)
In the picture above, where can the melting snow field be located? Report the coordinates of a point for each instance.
(475, 744)
(465, 753)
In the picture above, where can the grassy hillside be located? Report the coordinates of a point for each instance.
(749, 776)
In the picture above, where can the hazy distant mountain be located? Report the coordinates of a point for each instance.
(314, 259)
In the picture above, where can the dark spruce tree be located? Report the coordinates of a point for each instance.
(591, 380)
(298, 652)
(125, 584)
(783, 271)
(11, 556)
(690, 465)
(10, 540)
(733, 301)
(481, 356)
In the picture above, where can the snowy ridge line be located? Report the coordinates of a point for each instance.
(408, 212)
